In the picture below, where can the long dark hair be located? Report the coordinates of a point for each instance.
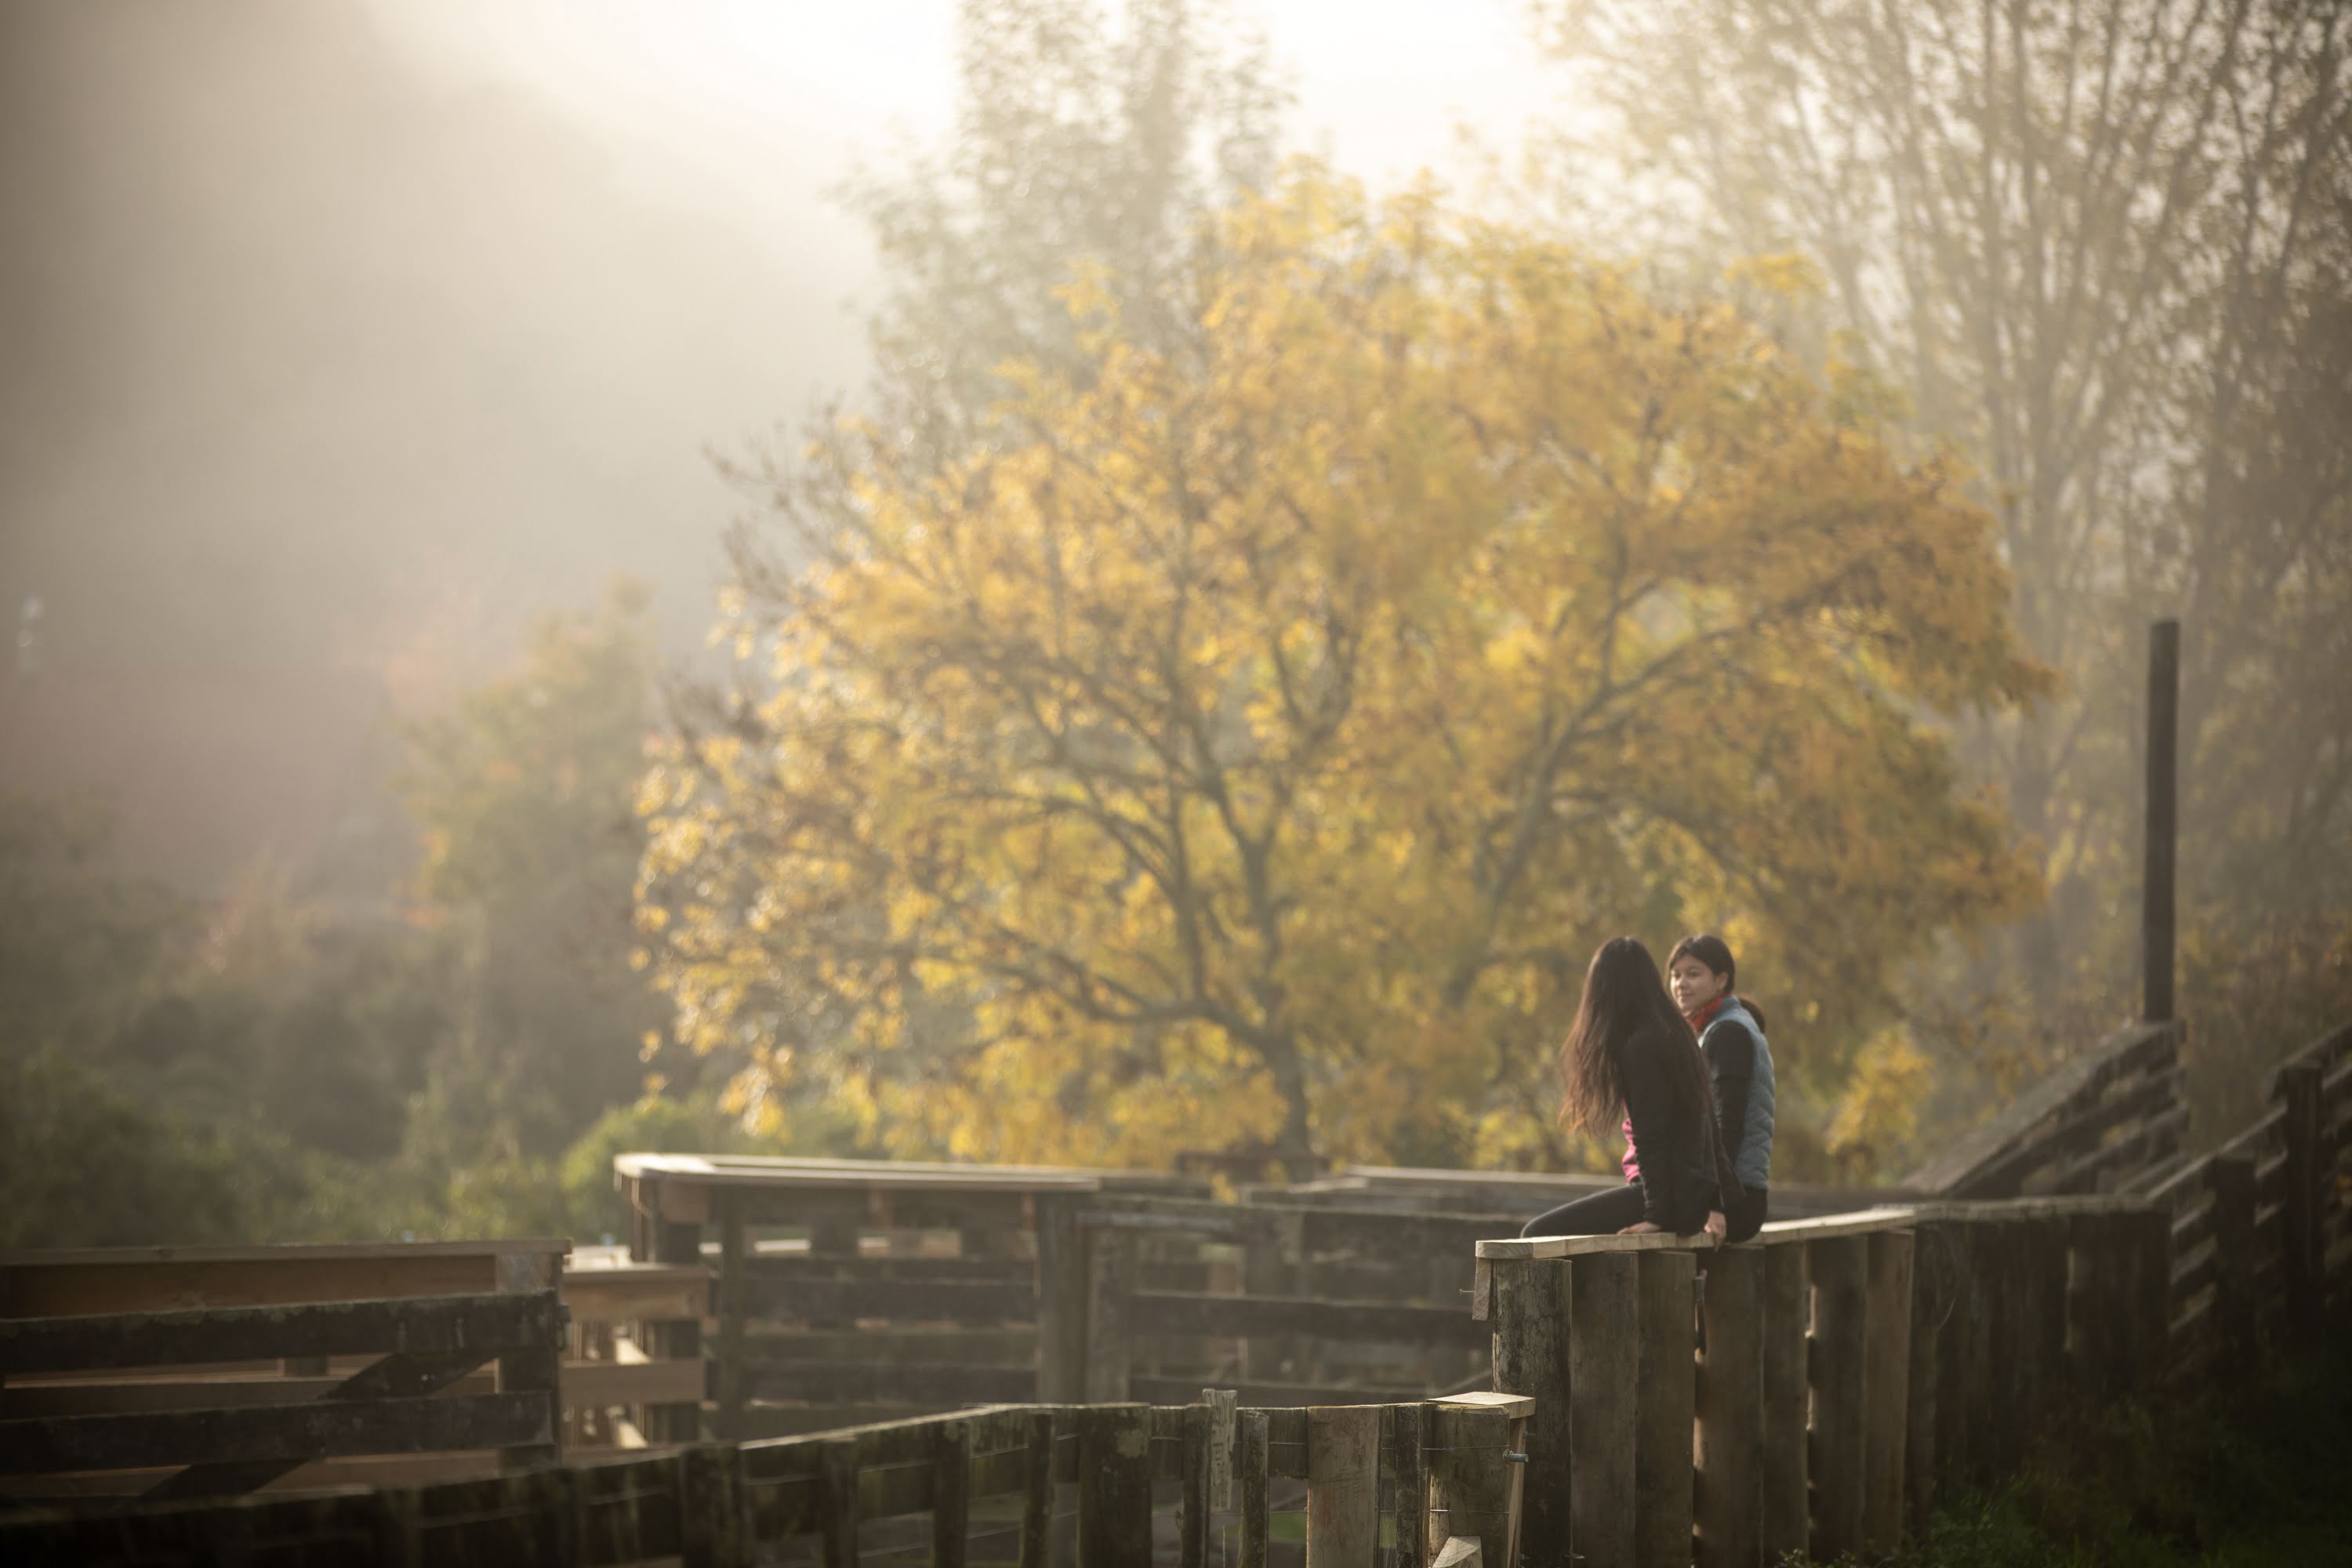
(1716, 953)
(1625, 1007)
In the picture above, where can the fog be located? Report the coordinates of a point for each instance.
(347, 333)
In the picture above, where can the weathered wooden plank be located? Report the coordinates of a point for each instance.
(1887, 1386)
(951, 1488)
(1730, 1436)
(429, 1325)
(1114, 1484)
(818, 1300)
(2309, 1163)
(1167, 1312)
(85, 1282)
(1407, 1427)
(1788, 1309)
(1478, 1491)
(714, 1508)
(1250, 1479)
(1835, 1461)
(293, 1432)
(1037, 1488)
(397, 1376)
(1604, 1357)
(1529, 1313)
(1931, 1299)
(626, 1293)
(840, 1515)
(1110, 1289)
(1170, 1390)
(1343, 1520)
(1665, 1378)
(885, 1383)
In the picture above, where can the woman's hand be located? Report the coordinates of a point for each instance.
(1643, 1228)
(1718, 1227)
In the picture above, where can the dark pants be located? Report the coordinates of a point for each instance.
(1607, 1213)
(1602, 1214)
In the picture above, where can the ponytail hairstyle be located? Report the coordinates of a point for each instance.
(1716, 953)
(1625, 1007)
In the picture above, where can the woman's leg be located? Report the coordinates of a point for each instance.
(1745, 1214)
(1601, 1214)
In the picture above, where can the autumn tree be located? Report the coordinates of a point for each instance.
(2105, 248)
(1246, 746)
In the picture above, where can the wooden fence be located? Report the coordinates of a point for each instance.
(1847, 1364)
(202, 1443)
(2101, 1123)
(1024, 1484)
(848, 1291)
(2262, 1226)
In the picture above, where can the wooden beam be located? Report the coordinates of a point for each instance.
(1730, 1438)
(2161, 819)
(1839, 1453)
(1343, 1519)
(288, 1431)
(1529, 1312)
(1887, 1386)
(1604, 1361)
(1665, 1379)
(425, 1326)
(1788, 1310)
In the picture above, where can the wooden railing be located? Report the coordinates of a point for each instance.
(1436, 1478)
(1847, 1364)
(401, 1401)
(2098, 1124)
(2262, 1226)
(263, 1299)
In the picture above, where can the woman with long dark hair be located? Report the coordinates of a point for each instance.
(1629, 1049)
(1700, 972)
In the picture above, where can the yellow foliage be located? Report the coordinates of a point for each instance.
(1247, 749)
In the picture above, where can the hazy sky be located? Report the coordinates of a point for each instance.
(344, 331)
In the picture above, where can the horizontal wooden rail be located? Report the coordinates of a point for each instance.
(421, 1325)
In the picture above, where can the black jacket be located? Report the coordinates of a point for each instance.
(1685, 1170)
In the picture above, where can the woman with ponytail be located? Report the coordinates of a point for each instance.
(1630, 1050)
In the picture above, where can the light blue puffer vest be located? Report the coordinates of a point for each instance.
(1753, 1162)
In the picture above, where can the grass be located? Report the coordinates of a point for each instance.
(2249, 1475)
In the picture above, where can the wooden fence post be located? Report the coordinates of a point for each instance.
(1062, 1284)
(1480, 1489)
(714, 1508)
(1787, 1318)
(673, 1241)
(1110, 1285)
(1249, 1487)
(1037, 1490)
(951, 1494)
(2310, 1162)
(1960, 1376)
(1887, 1386)
(1840, 1268)
(1529, 1308)
(1666, 1379)
(1604, 1354)
(1114, 1486)
(2148, 1292)
(1343, 1469)
(733, 1285)
(1731, 1438)
(2231, 1177)
(1931, 1288)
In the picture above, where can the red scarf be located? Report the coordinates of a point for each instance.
(1705, 1016)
